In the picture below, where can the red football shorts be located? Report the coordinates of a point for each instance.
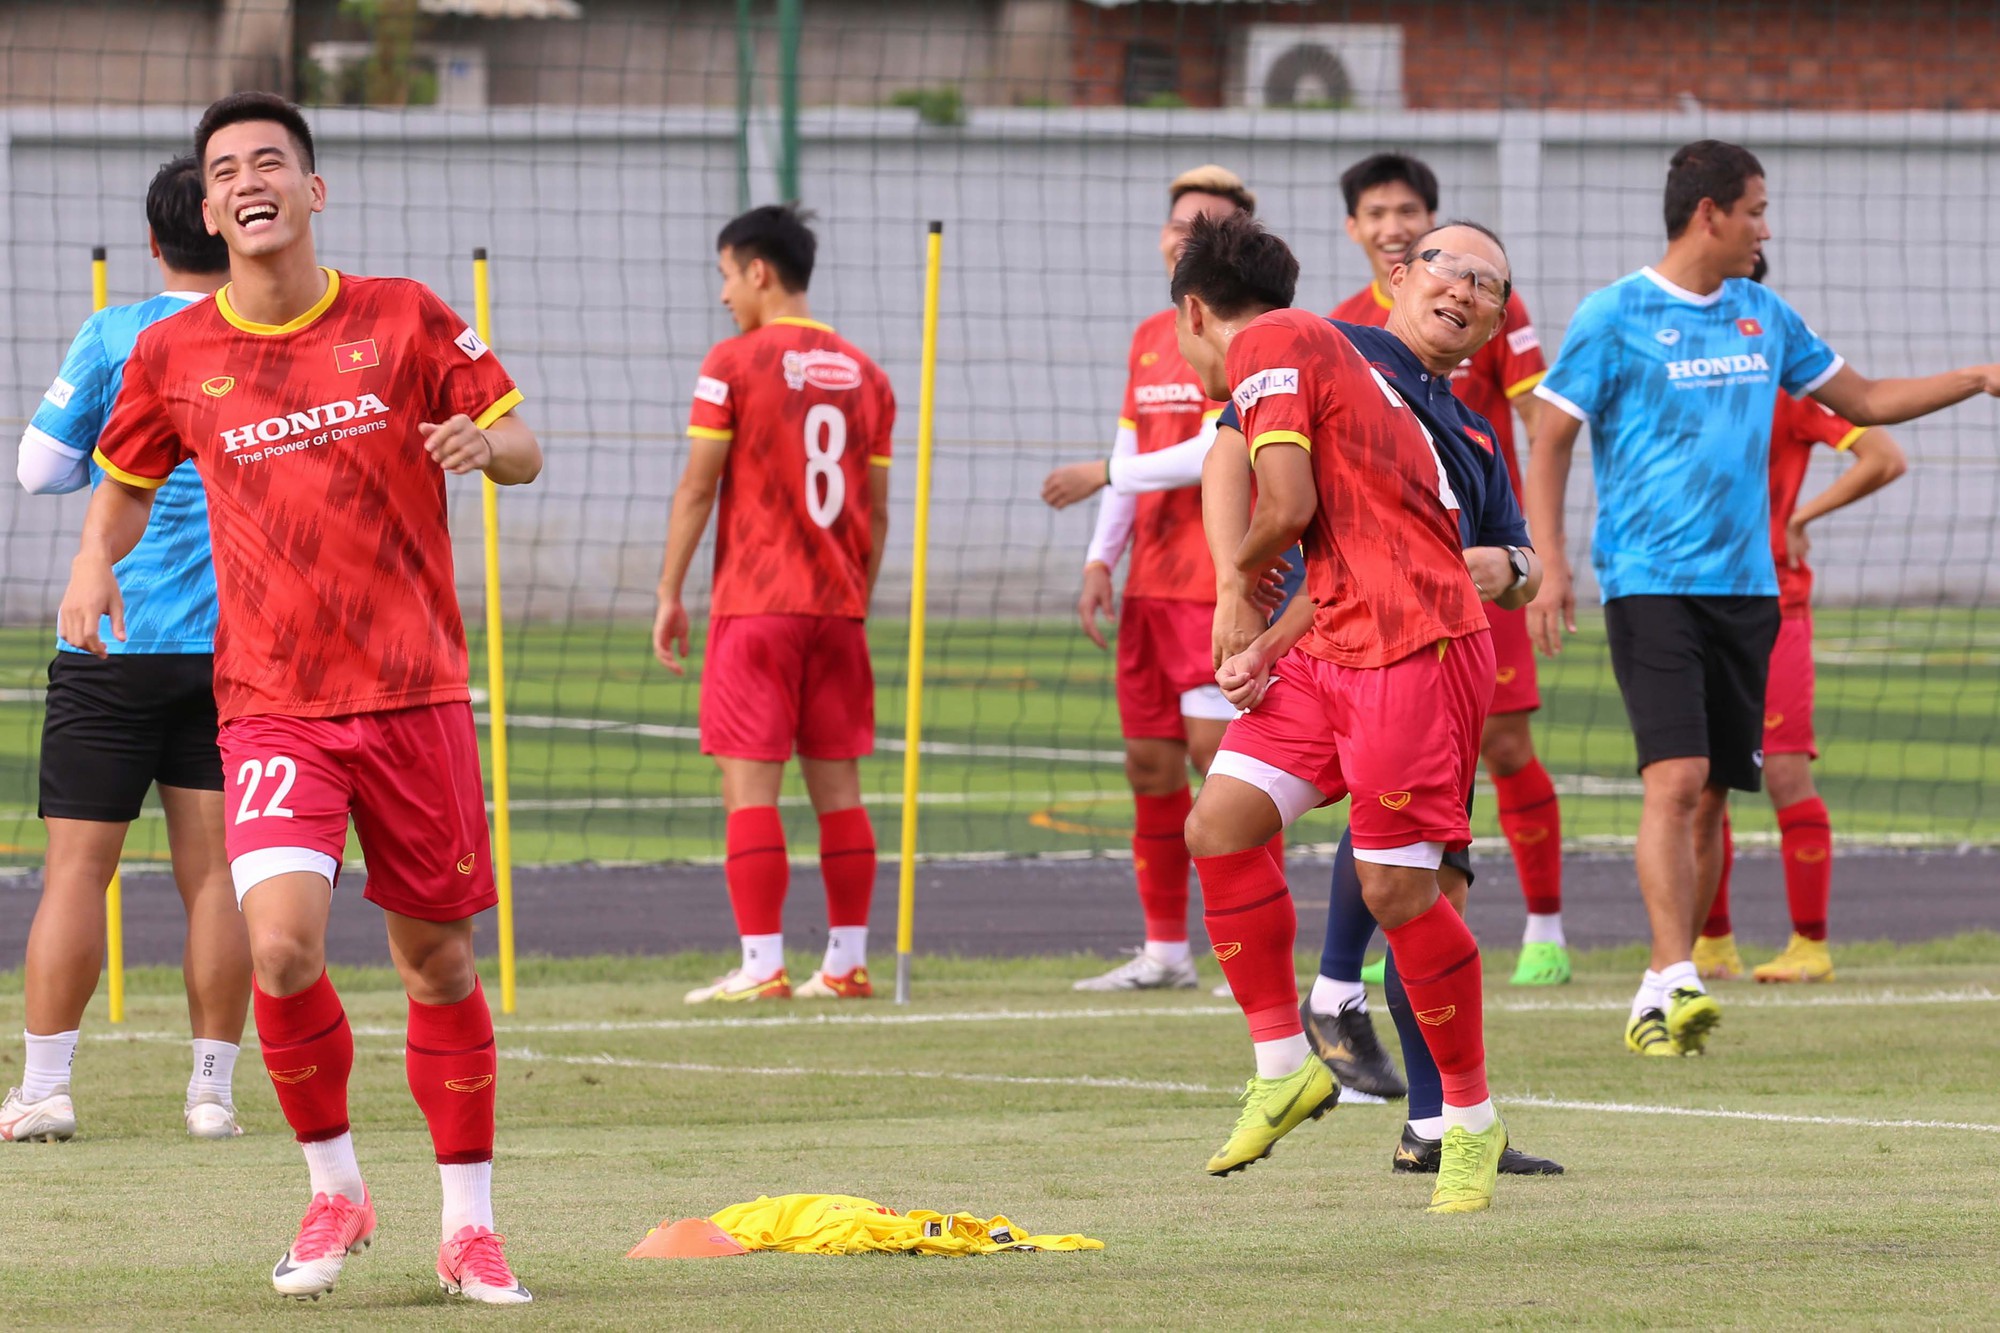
(409, 779)
(1788, 694)
(1515, 689)
(1403, 740)
(775, 682)
(1166, 668)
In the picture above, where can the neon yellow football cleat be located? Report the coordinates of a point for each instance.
(1691, 1016)
(1802, 960)
(1273, 1108)
(1468, 1166)
(1542, 964)
(1716, 959)
(737, 988)
(1647, 1035)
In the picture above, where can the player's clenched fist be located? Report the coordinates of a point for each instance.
(92, 594)
(458, 445)
(670, 635)
(1244, 678)
(1074, 482)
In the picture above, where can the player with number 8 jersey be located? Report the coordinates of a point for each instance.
(789, 437)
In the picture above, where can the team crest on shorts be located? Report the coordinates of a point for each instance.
(1394, 800)
(465, 863)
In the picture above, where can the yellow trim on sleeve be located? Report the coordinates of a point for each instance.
(710, 433)
(878, 460)
(1527, 385)
(507, 404)
(117, 473)
(1126, 423)
(1213, 414)
(319, 308)
(797, 322)
(1280, 437)
(1853, 433)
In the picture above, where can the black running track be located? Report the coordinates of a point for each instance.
(1018, 908)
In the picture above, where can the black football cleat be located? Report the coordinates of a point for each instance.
(1346, 1042)
(1417, 1155)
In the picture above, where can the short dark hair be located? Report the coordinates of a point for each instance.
(1388, 169)
(778, 235)
(1233, 264)
(1706, 169)
(173, 211)
(238, 108)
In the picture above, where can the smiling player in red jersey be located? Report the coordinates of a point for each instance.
(791, 422)
(1392, 199)
(1169, 710)
(322, 411)
(1798, 425)
(1382, 699)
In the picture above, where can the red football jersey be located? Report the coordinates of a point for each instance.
(1164, 406)
(1491, 378)
(1383, 563)
(1796, 426)
(806, 414)
(332, 554)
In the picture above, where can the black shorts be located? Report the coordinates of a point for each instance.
(1692, 670)
(116, 726)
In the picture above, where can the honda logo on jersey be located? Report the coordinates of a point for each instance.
(276, 430)
(1706, 367)
(1166, 395)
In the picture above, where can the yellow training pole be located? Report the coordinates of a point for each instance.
(114, 894)
(913, 715)
(496, 671)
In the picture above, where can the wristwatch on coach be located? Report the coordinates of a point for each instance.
(1518, 558)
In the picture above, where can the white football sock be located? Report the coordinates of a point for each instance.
(214, 1069)
(1170, 952)
(1330, 996)
(1652, 994)
(846, 949)
(1544, 929)
(1476, 1119)
(1283, 1057)
(45, 1072)
(763, 955)
(333, 1168)
(1681, 976)
(468, 1195)
(1429, 1127)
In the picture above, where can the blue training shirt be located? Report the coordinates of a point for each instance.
(1488, 514)
(1679, 390)
(168, 581)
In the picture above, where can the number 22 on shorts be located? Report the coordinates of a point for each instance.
(280, 769)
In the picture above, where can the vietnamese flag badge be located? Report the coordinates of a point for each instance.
(355, 356)
(1749, 328)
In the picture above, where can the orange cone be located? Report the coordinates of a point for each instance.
(689, 1238)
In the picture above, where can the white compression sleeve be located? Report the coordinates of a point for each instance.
(1115, 513)
(48, 467)
(1166, 469)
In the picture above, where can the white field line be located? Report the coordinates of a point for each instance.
(503, 1029)
(1719, 1113)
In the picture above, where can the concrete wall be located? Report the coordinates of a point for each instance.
(601, 225)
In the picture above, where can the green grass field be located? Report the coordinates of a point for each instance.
(1830, 1163)
(1022, 741)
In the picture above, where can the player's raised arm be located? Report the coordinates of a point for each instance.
(1867, 402)
(694, 501)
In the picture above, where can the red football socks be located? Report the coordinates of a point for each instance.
(1718, 923)
(758, 871)
(451, 1065)
(1807, 839)
(1276, 847)
(1247, 908)
(1160, 860)
(1531, 818)
(1439, 963)
(847, 864)
(309, 1052)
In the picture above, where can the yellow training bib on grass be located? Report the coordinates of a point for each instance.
(843, 1224)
